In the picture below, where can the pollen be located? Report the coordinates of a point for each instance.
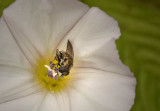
(54, 74)
(48, 83)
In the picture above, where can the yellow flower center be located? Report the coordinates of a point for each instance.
(47, 82)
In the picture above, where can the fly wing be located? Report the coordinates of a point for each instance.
(69, 49)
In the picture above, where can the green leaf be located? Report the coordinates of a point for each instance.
(4, 4)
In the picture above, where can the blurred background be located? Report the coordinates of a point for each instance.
(139, 44)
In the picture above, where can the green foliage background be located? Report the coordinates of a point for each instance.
(139, 45)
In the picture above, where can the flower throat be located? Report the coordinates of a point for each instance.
(54, 75)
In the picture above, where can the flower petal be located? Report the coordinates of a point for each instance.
(93, 30)
(105, 58)
(29, 103)
(12, 77)
(24, 89)
(101, 91)
(39, 25)
(10, 54)
(93, 39)
(49, 103)
(63, 101)
(14, 68)
(56, 102)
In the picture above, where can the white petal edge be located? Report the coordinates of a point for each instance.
(39, 25)
(93, 39)
(100, 91)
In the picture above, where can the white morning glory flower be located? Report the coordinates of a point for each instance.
(30, 33)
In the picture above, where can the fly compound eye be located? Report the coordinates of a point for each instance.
(62, 69)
